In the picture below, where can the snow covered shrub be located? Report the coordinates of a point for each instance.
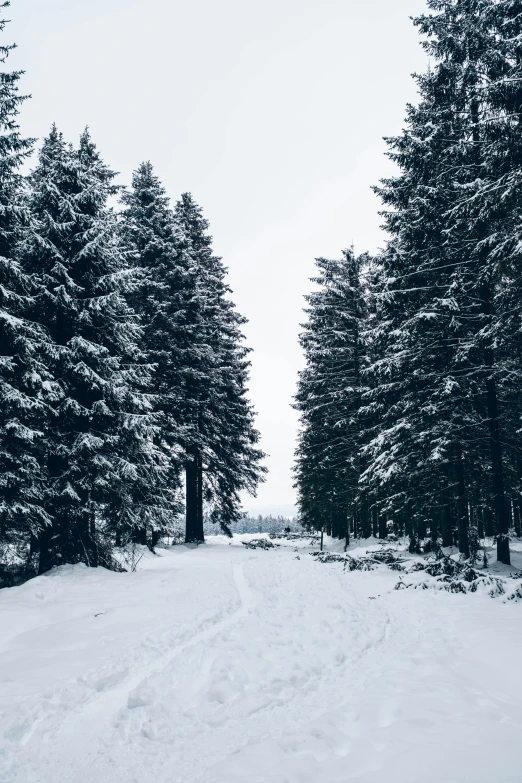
(359, 564)
(469, 581)
(259, 543)
(329, 557)
(516, 595)
(369, 563)
(417, 567)
(386, 556)
(492, 584)
(444, 566)
(131, 555)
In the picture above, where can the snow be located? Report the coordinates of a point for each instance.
(220, 664)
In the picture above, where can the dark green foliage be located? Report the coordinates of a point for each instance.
(121, 364)
(328, 455)
(193, 344)
(259, 543)
(437, 423)
(103, 468)
(220, 439)
(25, 384)
(163, 299)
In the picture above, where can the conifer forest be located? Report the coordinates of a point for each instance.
(123, 370)
(409, 402)
(170, 610)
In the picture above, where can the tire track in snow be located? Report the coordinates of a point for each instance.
(124, 693)
(278, 707)
(146, 725)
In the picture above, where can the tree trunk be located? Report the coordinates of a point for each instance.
(200, 534)
(383, 526)
(93, 538)
(500, 505)
(422, 528)
(335, 525)
(446, 521)
(462, 505)
(191, 501)
(33, 551)
(480, 522)
(517, 519)
(375, 521)
(139, 536)
(366, 526)
(517, 503)
(489, 522)
(434, 530)
(45, 561)
(343, 523)
(499, 498)
(414, 536)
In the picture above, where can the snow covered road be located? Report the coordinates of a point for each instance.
(226, 665)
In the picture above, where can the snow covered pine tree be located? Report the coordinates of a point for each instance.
(192, 340)
(223, 456)
(100, 452)
(161, 299)
(24, 382)
(439, 420)
(328, 398)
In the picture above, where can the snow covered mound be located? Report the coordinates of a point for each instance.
(223, 664)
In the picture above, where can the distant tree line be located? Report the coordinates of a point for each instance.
(123, 374)
(410, 401)
(264, 524)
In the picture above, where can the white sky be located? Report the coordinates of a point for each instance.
(271, 112)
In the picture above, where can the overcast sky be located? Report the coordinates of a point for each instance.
(271, 112)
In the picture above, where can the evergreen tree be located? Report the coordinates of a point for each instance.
(418, 406)
(221, 440)
(446, 334)
(25, 385)
(439, 421)
(329, 395)
(165, 301)
(99, 448)
(478, 41)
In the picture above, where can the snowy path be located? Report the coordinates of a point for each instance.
(225, 665)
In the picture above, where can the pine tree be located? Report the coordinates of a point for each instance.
(446, 297)
(164, 299)
(419, 410)
(25, 385)
(221, 440)
(438, 427)
(99, 447)
(328, 398)
(480, 42)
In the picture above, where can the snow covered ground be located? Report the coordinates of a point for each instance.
(226, 665)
